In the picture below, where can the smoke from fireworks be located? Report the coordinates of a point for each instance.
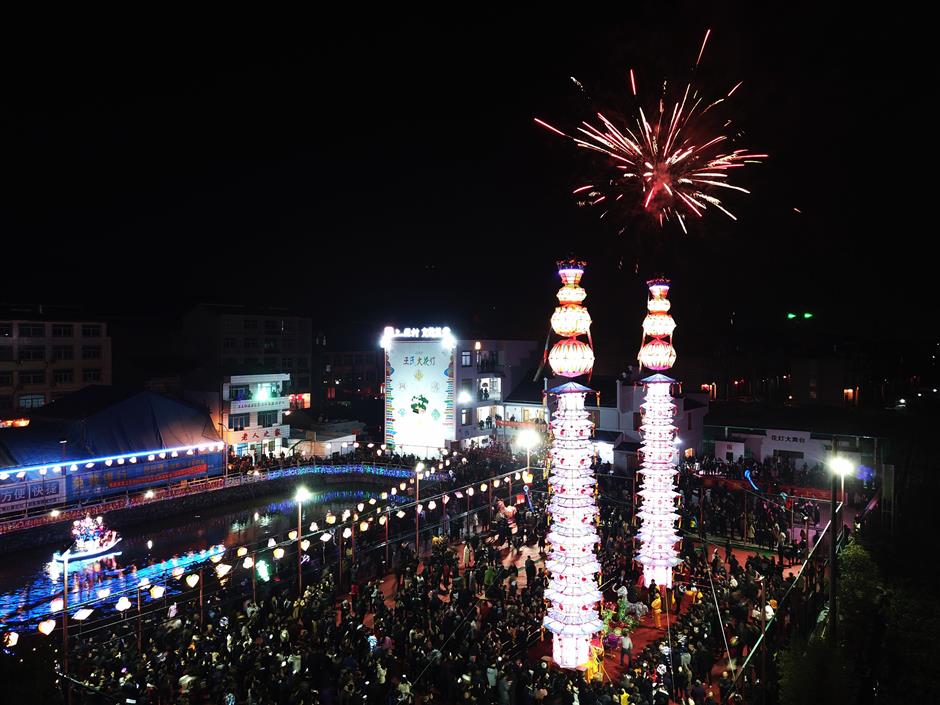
(674, 162)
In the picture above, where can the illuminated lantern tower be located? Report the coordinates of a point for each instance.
(572, 616)
(658, 516)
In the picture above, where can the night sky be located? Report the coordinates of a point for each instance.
(392, 173)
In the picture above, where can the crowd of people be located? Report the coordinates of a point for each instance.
(459, 626)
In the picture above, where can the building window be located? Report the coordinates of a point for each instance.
(270, 345)
(6, 402)
(32, 376)
(848, 396)
(267, 418)
(251, 343)
(229, 343)
(239, 392)
(303, 382)
(286, 363)
(6, 353)
(62, 352)
(238, 422)
(690, 422)
(91, 352)
(63, 330)
(251, 324)
(91, 330)
(32, 401)
(465, 417)
(6, 379)
(466, 359)
(303, 363)
(32, 352)
(6, 330)
(91, 375)
(63, 376)
(272, 327)
(270, 364)
(32, 330)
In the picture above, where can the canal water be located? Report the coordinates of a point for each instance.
(31, 582)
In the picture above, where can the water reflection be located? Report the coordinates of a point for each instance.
(153, 554)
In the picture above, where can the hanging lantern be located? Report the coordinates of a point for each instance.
(156, 592)
(658, 325)
(242, 551)
(48, 625)
(248, 562)
(347, 532)
(221, 570)
(278, 553)
(122, 605)
(657, 355)
(330, 518)
(364, 526)
(191, 580)
(325, 537)
(291, 535)
(571, 320)
(571, 358)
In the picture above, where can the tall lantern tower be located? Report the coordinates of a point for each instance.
(657, 533)
(572, 616)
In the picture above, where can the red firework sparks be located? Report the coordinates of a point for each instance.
(673, 162)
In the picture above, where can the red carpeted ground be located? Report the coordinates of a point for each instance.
(641, 637)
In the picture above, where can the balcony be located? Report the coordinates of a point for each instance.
(244, 405)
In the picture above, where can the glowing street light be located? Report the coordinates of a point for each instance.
(302, 495)
(528, 439)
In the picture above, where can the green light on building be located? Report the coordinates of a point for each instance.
(791, 316)
(807, 315)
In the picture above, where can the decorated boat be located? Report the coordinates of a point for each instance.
(92, 540)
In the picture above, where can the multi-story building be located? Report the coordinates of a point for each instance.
(238, 340)
(441, 391)
(615, 411)
(486, 371)
(43, 358)
(352, 374)
(253, 414)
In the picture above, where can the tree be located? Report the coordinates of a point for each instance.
(813, 673)
(860, 587)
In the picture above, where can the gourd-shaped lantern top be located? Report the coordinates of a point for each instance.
(571, 357)
(657, 351)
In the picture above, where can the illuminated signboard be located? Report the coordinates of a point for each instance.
(419, 389)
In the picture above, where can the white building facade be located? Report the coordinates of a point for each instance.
(616, 413)
(253, 414)
(447, 392)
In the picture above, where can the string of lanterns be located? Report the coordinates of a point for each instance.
(223, 570)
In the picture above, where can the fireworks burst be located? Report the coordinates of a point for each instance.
(674, 162)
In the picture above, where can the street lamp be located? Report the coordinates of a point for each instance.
(840, 467)
(419, 468)
(303, 494)
(528, 439)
